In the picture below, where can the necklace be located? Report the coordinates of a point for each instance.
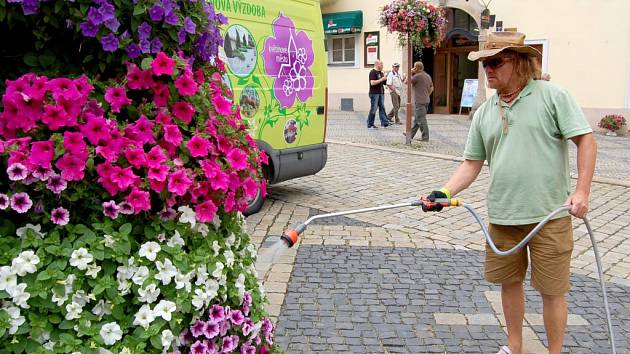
(510, 96)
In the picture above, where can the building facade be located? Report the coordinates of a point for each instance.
(585, 46)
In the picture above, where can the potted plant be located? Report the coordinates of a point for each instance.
(423, 23)
(614, 124)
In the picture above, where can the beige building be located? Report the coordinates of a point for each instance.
(585, 46)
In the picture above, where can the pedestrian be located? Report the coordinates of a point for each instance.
(422, 89)
(377, 96)
(395, 84)
(523, 131)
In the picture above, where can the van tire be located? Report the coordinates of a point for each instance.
(256, 204)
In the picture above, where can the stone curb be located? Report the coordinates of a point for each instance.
(602, 180)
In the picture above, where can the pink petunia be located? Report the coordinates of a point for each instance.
(73, 108)
(139, 200)
(95, 129)
(199, 76)
(21, 202)
(155, 157)
(126, 208)
(83, 86)
(184, 111)
(42, 152)
(178, 182)
(42, 172)
(123, 177)
(221, 104)
(206, 211)
(60, 216)
(56, 184)
(186, 86)
(220, 181)
(157, 186)
(163, 118)
(4, 201)
(73, 143)
(248, 327)
(229, 344)
(158, 173)
(236, 316)
(55, 117)
(161, 94)
(250, 187)
(71, 167)
(237, 159)
(117, 98)
(136, 157)
(138, 79)
(110, 209)
(198, 328)
(17, 172)
(172, 134)
(162, 65)
(63, 87)
(198, 146)
(141, 131)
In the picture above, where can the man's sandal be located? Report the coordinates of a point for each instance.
(505, 350)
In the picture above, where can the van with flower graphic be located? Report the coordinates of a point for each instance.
(276, 64)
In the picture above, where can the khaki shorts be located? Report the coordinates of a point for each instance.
(550, 253)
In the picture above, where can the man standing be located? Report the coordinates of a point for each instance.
(377, 96)
(395, 85)
(523, 132)
(422, 89)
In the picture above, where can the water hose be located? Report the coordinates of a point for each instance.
(290, 237)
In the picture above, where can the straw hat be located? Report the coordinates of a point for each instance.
(500, 41)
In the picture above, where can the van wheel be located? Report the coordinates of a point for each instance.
(256, 204)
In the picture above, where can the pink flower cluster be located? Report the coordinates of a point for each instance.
(228, 331)
(176, 151)
(417, 17)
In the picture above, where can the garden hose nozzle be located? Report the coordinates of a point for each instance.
(290, 237)
(445, 202)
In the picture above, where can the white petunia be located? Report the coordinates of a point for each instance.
(252, 250)
(229, 258)
(102, 308)
(124, 286)
(211, 288)
(80, 298)
(149, 294)
(216, 247)
(202, 229)
(200, 299)
(166, 271)
(109, 241)
(167, 339)
(25, 263)
(142, 273)
(149, 250)
(188, 216)
(36, 229)
(125, 350)
(144, 317)
(240, 282)
(202, 274)
(216, 221)
(218, 271)
(15, 318)
(73, 311)
(176, 240)
(230, 240)
(19, 295)
(164, 309)
(81, 258)
(92, 270)
(8, 279)
(111, 333)
(183, 281)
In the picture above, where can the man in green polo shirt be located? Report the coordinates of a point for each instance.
(523, 132)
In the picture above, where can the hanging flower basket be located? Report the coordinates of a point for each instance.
(423, 23)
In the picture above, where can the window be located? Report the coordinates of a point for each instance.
(342, 50)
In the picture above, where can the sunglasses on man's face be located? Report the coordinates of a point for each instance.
(494, 63)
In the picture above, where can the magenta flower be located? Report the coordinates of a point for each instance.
(198, 347)
(229, 344)
(220, 181)
(158, 173)
(211, 330)
(161, 94)
(168, 214)
(186, 86)
(4, 201)
(183, 111)
(236, 316)
(267, 326)
(56, 184)
(237, 159)
(95, 129)
(250, 187)
(71, 167)
(17, 172)
(42, 152)
(73, 143)
(110, 209)
(117, 98)
(269, 338)
(198, 328)
(247, 348)
(138, 79)
(217, 313)
(162, 65)
(42, 172)
(60, 216)
(172, 134)
(155, 157)
(248, 327)
(126, 208)
(206, 211)
(21, 202)
(139, 200)
(141, 131)
(198, 146)
(136, 157)
(178, 182)
(221, 104)
(63, 87)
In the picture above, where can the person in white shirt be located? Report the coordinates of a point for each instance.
(395, 85)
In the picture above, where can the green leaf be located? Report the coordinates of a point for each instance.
(255, 79)
(45, 275)
(138, 10)
(242, 81)
(146, 63)
(30, 59)
(125, 230)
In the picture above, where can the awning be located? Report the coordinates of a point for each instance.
(343, 22)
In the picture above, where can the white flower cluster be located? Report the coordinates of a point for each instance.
(82, 260)
(25, 263)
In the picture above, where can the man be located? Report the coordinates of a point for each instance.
(523, 132)
(422, 89)
(395, 85)
(377, 96)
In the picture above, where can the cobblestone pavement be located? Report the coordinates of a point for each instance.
(405, 281)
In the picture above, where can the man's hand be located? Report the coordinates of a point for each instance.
(579, 204)
(432, 197)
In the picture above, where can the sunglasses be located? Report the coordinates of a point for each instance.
(494, 63)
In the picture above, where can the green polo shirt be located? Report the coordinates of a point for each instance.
(529, 167)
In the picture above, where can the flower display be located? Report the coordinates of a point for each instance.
(612, 122)
(423, 23)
